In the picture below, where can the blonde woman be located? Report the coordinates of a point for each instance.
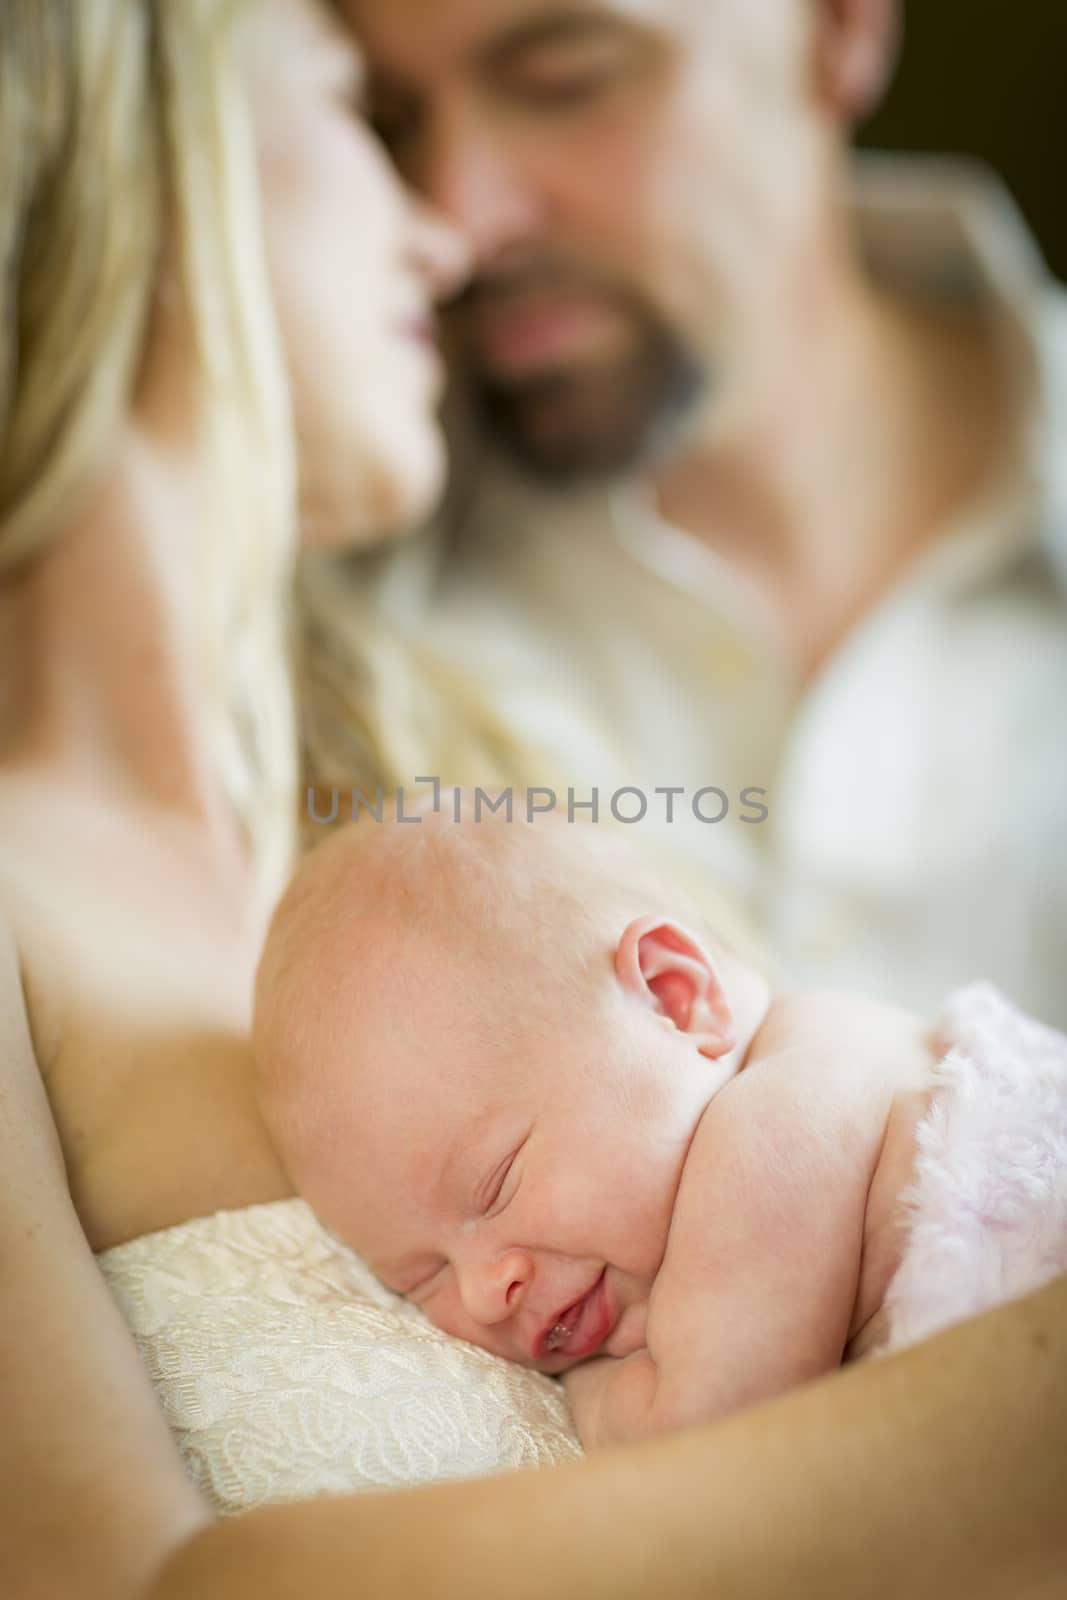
(213, 328)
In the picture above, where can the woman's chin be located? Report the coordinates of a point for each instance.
(382, 501)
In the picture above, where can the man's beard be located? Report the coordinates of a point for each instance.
(600, 420)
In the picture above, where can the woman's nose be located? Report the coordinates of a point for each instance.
(493, 1291)
(439, 251)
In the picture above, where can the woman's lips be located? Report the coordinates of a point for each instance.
(582, 1327)
(423, 330)
(418, 336)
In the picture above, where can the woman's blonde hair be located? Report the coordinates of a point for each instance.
(127, 175)
(127, 172)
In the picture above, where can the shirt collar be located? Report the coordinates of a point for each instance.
(950, 229)
(947, 230)
(943, 227)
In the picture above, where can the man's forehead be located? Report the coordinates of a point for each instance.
(402, 37)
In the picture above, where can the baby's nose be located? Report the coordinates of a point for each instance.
(494, 1290)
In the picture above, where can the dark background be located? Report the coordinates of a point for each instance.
(988, 78)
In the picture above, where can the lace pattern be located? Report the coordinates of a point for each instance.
(285, 1369)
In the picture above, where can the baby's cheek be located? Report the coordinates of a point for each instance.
(447, 1312)
(444, 1310)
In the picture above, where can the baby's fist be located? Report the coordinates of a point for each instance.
(585, 1386)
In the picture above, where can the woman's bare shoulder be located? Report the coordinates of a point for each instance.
(20, 1077)
(93, 1490)
(23, 954)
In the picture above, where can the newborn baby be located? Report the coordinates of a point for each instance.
(513, 1070)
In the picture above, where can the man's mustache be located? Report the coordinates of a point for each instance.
(499, 286)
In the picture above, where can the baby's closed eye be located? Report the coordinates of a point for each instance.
(490, 1193)
(496, 1193)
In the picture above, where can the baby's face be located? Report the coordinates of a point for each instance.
(522, 1201)
(488, 1084)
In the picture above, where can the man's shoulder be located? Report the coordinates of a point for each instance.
(948, 229)
(1051, 444)
(943, 225)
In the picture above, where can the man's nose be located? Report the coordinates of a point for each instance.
(494, 1290)
(439, 251)
(474, 179)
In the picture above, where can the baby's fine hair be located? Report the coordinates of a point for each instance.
(534, 908)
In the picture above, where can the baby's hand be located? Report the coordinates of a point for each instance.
(611, 1399)
(584, 1386)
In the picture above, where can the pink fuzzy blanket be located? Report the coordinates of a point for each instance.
(986, 1212)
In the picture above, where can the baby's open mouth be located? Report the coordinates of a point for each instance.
(563, 1330)
(582, 1326)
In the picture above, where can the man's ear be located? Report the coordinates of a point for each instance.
(856, 44)
(669, 969)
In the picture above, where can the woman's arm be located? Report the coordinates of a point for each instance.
(939, 1472)
(92, 1492)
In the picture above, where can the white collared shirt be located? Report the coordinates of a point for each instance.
(917, 789)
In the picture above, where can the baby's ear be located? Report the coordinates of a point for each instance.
(669, 969)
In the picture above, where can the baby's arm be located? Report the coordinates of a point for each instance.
(758, 1283)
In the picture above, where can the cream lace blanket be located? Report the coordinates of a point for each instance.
(286, 1370)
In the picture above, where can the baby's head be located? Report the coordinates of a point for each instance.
(482, 1052)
